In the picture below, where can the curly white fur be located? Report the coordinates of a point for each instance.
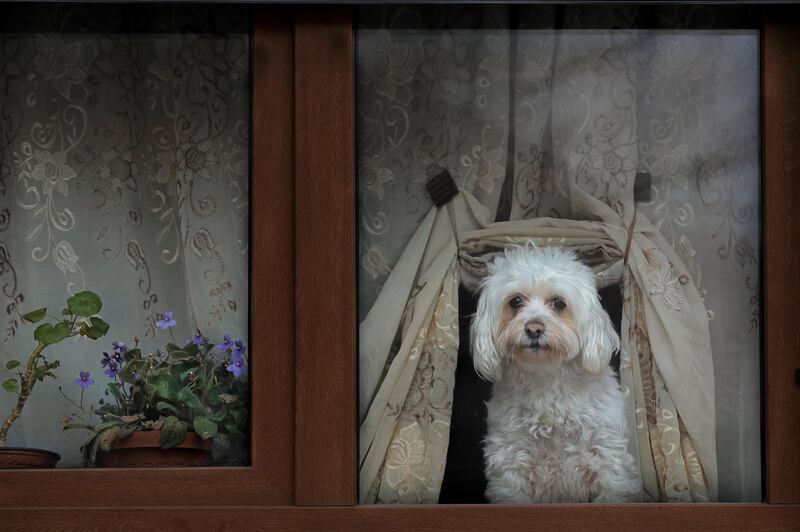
(557, 429)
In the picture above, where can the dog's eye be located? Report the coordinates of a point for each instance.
(558, 304)
(516, 302)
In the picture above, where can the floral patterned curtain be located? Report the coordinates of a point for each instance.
(123, 170)
(536, 122)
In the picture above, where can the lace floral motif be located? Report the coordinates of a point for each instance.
(667, 288)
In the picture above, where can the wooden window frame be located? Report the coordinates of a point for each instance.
(303, 327)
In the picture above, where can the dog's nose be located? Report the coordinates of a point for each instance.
(534, 329)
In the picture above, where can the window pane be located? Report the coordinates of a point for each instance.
(125, 172)
(567, 127)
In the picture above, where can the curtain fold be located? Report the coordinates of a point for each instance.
(404, 431)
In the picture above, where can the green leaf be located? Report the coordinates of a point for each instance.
(116, 393)
(232, 428)
(184, 370)
(204, 427)
(192, 349)
(213, 395)
(107, 408)
(187, 397)
(48, 334)
(84, 304)
(217, 416)
(11, 385)
(107, 425)
(173, 432)
(11, 364)
(162, 405)
(177, 354)
(127, 373)
(45, 370)
(98, 329)
(180, 369)
(35, 315)
(90, 447)
(166, 385)
(133, 354)
(149, 390)
(68, 426)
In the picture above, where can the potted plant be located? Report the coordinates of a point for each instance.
(79, 318)
(170, 407)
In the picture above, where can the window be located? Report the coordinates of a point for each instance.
(303, 322)
(547, 120)
(125, 193)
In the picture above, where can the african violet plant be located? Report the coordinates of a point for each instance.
(78, 319)
(199, 387)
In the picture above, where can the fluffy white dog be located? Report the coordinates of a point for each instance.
(557, 430)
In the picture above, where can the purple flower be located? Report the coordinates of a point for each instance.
(238, 351)
(198, 340)
(236, 368)
(106, 360)
(166, 321)
(118, 357)
(113, 369)
(226, 344)
(119, 347)
(85, 380)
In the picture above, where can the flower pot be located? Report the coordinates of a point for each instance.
(143, 449)
(25, 458)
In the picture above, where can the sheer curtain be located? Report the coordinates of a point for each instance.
(536, 123)
(124, 170)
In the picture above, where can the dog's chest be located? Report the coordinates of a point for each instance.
(553, 449)
(552, 439)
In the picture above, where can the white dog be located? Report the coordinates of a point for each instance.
(557, 429)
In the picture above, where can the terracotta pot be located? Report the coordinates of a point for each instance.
(143, 449)
(24, 458)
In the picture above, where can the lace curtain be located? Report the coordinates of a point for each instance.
(536, 123)
(123, 170)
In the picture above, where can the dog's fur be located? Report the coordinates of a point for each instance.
(557, 430)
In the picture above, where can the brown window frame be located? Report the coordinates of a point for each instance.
(303, 326)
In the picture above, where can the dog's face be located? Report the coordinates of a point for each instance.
(539, 305)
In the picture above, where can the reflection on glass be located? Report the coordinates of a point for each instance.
(575, 138)
(124, 210)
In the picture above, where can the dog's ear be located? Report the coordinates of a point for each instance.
(600, 340)
(485, 356)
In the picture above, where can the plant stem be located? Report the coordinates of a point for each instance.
(26, 385)
(70, 400)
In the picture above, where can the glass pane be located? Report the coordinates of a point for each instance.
(627, 136)
(124, 191)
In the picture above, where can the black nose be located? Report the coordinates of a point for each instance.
(534, 329)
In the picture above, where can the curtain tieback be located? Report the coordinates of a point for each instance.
(442, 189)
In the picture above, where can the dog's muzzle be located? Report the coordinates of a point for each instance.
(534, 331)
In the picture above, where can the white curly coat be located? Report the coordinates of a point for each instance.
(557, 428)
